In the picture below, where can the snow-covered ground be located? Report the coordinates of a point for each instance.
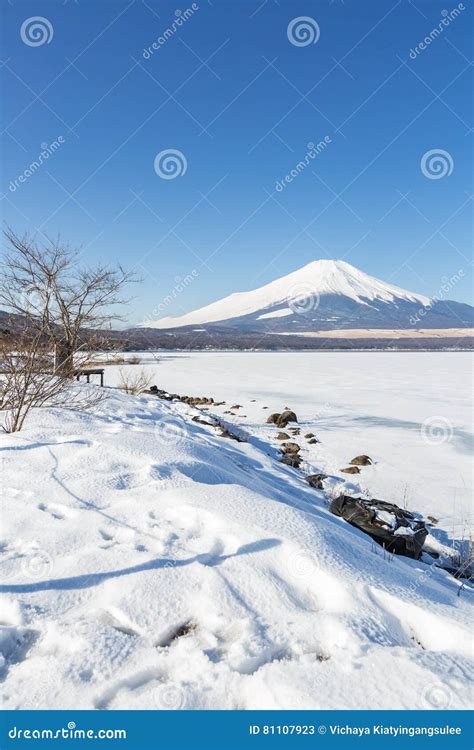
(149, 563)
(409, 411)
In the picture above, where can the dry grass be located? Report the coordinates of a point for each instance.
(134, 383)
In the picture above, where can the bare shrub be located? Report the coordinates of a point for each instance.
(463, 556)
(27, 382)
(134, 383)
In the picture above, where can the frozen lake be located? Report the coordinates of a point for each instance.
(411, 412)
(149, 562)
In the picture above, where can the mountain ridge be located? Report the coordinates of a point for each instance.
(323, 295)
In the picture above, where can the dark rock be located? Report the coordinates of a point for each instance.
(312, 441)
(291, 459)
(226, 433)
(283, 436)
(403, 534)
(199, 420)
(361, 461)
(285, 417)
(351, 470)
(164, 395)
(290, 448)
(316, 480)
(309, 435)
(196, 400)
(282, 420)
(191, 400)
(273, 418)
(236, 406)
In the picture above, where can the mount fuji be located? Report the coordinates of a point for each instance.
(323, 295)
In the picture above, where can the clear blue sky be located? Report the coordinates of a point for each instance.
(241, 102)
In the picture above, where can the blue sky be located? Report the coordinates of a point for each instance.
(231, 91)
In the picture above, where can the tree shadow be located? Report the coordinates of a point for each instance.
(88, 580)
(31, 445)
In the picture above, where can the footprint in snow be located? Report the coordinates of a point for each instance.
(159, 473)
(60, 512)
(121, 482)
(15, 644)
(107, 537)
(122, 536)
(245, 648)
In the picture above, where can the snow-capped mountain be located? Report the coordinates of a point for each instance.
(325, 294)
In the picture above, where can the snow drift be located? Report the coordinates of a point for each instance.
(149, 563)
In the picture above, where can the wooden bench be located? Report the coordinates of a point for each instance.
(88, 372)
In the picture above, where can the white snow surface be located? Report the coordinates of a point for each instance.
(317, 278)
(149, 563)
(280, 313)
(410, 411)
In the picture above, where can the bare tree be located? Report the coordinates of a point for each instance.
(53, 303)
(134, 382)
(68, 303)
(26, 381)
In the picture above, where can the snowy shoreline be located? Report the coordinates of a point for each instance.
(149, 563)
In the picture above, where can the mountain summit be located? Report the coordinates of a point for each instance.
(323, 295)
